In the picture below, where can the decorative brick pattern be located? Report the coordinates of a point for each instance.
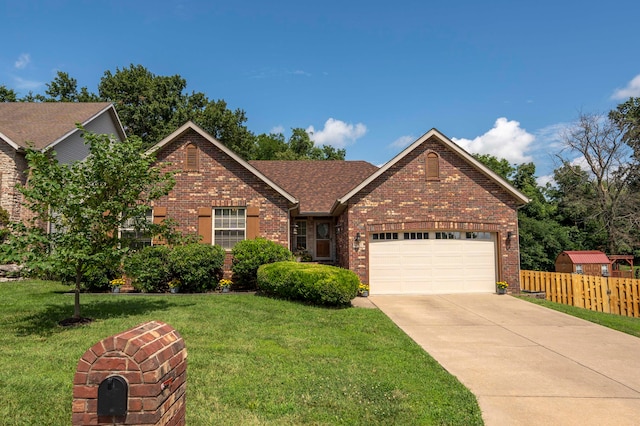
(403, 198)
(152, 358)
(219, 182)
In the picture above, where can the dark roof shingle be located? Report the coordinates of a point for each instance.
(316, 184)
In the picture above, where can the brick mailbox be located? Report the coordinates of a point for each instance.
(137, 377)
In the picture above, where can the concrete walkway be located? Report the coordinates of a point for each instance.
(527, 365)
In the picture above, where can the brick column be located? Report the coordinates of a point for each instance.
(152, 358)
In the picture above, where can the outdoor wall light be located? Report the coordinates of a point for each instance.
(356, 242)
(509, 235)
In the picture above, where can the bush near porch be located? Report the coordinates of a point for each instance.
(313, 283)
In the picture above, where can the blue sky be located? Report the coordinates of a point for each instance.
(498, 77)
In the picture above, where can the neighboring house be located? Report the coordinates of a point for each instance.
(587, 262)
(45, 126)
(432, 220)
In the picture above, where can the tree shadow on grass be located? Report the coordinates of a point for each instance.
(46, 321)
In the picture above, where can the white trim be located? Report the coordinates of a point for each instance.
(10, 142)
(450, 144)
(86, 122)
(192, 126)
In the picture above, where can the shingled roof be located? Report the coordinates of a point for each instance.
(42, 124)
(316, 184)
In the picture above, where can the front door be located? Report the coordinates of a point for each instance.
(323, 240)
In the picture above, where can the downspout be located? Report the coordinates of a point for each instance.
(289, 226)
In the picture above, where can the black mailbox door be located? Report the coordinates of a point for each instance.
(112, 397)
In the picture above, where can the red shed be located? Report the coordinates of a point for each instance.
(587, 262)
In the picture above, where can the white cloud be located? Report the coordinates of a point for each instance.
(631, 90)
(403, 141)
(276, 130)
(21, 83)
(505, 140)
(544, 180)
(23, 61)
(337, 133)
(552, 136)
(300, 72)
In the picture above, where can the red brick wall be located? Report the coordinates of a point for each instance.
(463, 199)
(152, 358)
(219, 182)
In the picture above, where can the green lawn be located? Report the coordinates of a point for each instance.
(617, 322)
(252, 360)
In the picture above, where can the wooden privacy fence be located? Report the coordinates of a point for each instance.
(603, 294)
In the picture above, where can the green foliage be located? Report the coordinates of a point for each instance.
(249, 255)
(282, 363)
(316, 284)
(627, 118)
(152, 106)
(499, 165)
(197, 266)
(149, 269)
(7, 95)
(4, 221)
(65, 89)
(86, 203)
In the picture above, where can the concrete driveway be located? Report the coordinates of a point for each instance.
(527, 365)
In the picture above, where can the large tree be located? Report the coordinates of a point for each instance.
(627, 118)
(64, 88)
(87, 202)
(596, 178)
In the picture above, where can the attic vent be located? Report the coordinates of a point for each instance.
(433, 166)
(192, 158)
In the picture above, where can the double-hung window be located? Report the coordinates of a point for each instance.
(229, 226)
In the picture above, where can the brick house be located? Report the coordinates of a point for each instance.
(431, 220)
(46, 126)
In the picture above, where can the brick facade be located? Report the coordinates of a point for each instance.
(402, 198)
(456, 195)
(12, 171)
(152, 359)
(219, 181)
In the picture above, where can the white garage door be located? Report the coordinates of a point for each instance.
(432, 266)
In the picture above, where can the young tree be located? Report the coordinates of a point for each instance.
(88, 201)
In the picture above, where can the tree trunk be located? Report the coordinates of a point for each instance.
(76, 307)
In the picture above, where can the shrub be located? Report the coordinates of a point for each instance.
(4, 217)
(249, 255)
(149, 269)
(317, 284)
(197, 266)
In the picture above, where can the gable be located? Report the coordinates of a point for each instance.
(45, 124)
(227, 159)
(458, 158)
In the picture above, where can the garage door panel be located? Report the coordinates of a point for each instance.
(432, 266)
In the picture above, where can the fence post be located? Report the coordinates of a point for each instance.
(606, 295)
(578, 292)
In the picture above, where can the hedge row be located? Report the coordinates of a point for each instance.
(317, 284)
(197, 267)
